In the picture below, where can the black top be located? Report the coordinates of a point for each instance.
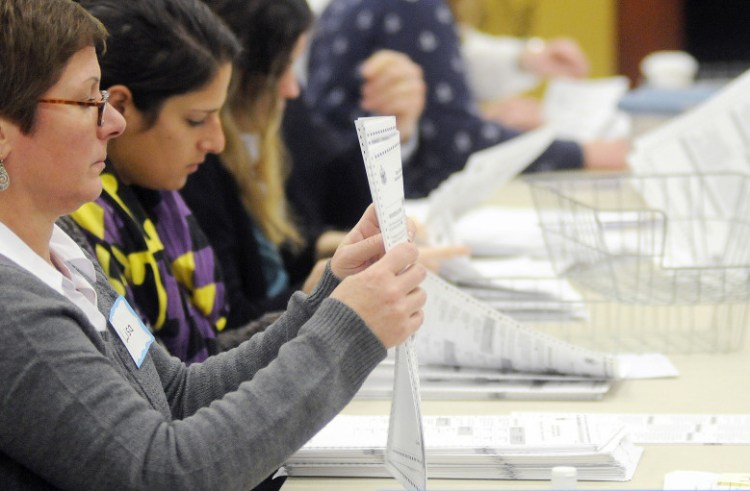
(328, 184)
(214, 198)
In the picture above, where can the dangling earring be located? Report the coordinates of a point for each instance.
(4, 177)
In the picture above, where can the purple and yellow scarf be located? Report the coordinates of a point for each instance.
(157, 257)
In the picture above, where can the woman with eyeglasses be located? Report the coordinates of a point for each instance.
(88, 400)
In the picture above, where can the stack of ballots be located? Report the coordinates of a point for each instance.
(439, 382)
(516, 446)
(522, 287)
(469, 350)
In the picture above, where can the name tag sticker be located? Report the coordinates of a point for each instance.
(135, 336)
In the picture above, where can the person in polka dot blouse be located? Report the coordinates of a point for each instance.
(451, 126)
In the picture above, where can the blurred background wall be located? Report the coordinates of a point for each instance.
(617, 34)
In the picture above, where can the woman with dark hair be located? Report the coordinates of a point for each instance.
(167, 68)
(238, 198)
(87, 401)
(267, 249)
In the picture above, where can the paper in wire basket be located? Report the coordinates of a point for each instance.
(380, 143)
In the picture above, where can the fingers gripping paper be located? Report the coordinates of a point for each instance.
(379, 140)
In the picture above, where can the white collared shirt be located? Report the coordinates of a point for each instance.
(73, 279)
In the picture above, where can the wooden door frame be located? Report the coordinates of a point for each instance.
(644, 26)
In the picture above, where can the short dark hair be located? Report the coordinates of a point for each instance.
(37, 39)
(161, 48)
(268, 31)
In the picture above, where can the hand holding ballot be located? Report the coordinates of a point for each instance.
(387, 295)
(362, 245)
(381, 152)
(382, 287)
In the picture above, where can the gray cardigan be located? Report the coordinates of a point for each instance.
(75, 412)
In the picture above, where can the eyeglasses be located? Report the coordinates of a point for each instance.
(101, 105)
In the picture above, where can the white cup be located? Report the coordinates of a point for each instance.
(669, 69)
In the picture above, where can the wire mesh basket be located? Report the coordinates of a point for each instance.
(661, 262)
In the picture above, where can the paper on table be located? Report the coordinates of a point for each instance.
(440, 383)
(682, 429)
(381, 149)
(695, 480)
(524, 288)
(691, 429)
(488, 268)
(501, 231)
(646, 365)
(517, 446)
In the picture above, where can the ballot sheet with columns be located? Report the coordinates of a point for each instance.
(380, 143)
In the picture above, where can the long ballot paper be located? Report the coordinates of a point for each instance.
(712, 137)
(709, 139)
(460, 330)
(469, 349)
(380, 143)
